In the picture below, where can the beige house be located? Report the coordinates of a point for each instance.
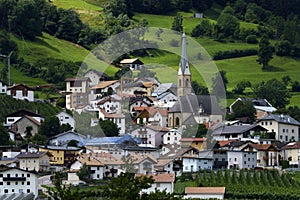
(38, 161)
(26, 121)
(267, 155)
(291, 152)
(286, 128)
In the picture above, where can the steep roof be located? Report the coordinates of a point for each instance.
(284, 119)
(30, 119)
(68, 132)
(104, 84)
(130, 61)
(184, 67)
(18, 86)
(32, 155)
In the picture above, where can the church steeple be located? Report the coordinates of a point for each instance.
(184, 73)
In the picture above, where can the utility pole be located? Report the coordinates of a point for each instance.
(8, 65)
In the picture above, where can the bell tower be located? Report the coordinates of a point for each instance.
(184, 86)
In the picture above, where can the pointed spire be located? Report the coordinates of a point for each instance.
(184, 63)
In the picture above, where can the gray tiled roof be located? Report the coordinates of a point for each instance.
(223, 130)
(191, 103)
(31, 155)
(285, 119)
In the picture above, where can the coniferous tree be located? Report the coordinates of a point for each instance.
(177, 23)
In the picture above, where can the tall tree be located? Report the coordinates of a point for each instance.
(227, 24)
(4, 136)
(265, 53)
(84, 173)
(177, 23)
(50, 127)
(274, 91)
(109, 128)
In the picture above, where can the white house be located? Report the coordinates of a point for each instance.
(285, 127)
(3, 88)
(172, 137)
(15, 116)
(204, 192)
(161, 182)
(139, 101)
(151, 135)
(21, 91)
(93, 164)
(241, 159)
(64, 138)
(193, 163)
(291, 152)
(65, 118)
(111, 104)
(14, 180)
(103, 87)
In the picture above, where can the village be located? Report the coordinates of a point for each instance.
(157, 125)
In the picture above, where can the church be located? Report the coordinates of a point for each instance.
(189, 108)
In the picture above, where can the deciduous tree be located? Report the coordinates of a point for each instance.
(265, 53)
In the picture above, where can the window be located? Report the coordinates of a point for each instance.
(1, 175)
(28, 175)
(17, 175)
(8, 175)
(262, 123)
(280, 137)
(286, 138)
(28, 190)
(287, 130)
(244, 162)
(234, 159)
(168, 138)
(28, 183)
(13, 190)
(248, 159)
(283, 130)
(16, 183)
(266, 123)
(22, 183)
(292, 130)
(270, 123)
(8, 183)
(175, 138)
(6, 191)
(1, 183)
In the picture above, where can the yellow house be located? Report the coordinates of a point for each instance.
(196, 143)
(61, 155)
(38, 161)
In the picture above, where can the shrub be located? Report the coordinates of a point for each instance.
(251, 39)
(174, 43)
(234, 54)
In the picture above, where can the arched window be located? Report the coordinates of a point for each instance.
(177, 121)
(187, 83)
(179, 82)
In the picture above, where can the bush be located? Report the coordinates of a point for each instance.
(251, 39)
(296, 86)
(234, 54)
(283, 48)
(174, 43)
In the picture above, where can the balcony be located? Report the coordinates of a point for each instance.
(14, 179)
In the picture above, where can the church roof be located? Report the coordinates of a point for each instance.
(191, 104)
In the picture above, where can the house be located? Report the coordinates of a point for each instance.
(225, 132)
(117, 118)
(16, 181)
(141, 149)
(262, 106)
(197, 143)
(96, 77)
(204, 192)
(21, 91)
(76, 92)
(65, 118)
(3, 88)
(267, 155)
(220, 159)
(194, 163)
(111, 104)
(152, 116)
(291, 152)
(161, 182)
(21, 125)
(133, 63)
(151, 135)
(285, 127)
(242, 159)
(141, 164)
(9, 162)
(172, 137)
(165, 92)
(93, 164)
(61, 155)
(139, 101)
(39, 161)
(108, 87)
(15, 116)
(63, 139)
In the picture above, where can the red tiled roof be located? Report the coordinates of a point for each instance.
(224, 142)
(262, 147)
(161, 178)
(205, 190)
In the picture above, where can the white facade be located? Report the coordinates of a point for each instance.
(148, 136)
(284, 132)
(241, 159)
(19, 95)
(193, 164)
(96, 171)
(162, 182)
(65, 118)
(3, 88)
(172, 137)
(15, 180)
(11, 120)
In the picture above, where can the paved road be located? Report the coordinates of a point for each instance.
(45, 180)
